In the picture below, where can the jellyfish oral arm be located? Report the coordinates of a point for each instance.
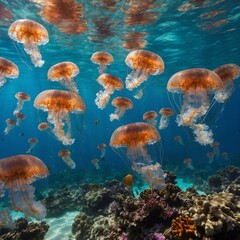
(2, 80)
(118, 113)
(69, 162)
(223, 94)
(35, 55)
(102, 98)
(164, 121)
(135, 78)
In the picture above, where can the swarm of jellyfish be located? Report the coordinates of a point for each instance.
(8, 69)
(20, 117)
(22, 98)
(59, 104)
(150, 117)
(64, 73)
(102, 148)
(110, 83)
(33, 142)
(195, 85)
(166, 113)
(11, 123)
(95, 163)
(228, 73)
(102, 59)
(137, 138)
(31, 34)
(143, 63)
(66, 157)
(122, 104)
(16, 175)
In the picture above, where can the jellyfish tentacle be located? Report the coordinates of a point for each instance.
(2, 80)
(35, 55)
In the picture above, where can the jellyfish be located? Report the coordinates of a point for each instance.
(210, 156)
(11, 123)
(16, 175)
(188, 163)
(215, 148)
(59, 104)
(137, 139)
(143, 63)
(110, 83)
(31, 34)
(122, 104)
(43, 126)
(22, 98)
(128, 180)
(66, 157)
(64, 73)
(95, 163)
(150, 117)
(102, 148)
(195, 84)
(20, 117)
(33, 142)
(227, 73)
(225, 156)
(103, 59)
(164, 120)
(179, 140)
(138, 94)
(8, 69)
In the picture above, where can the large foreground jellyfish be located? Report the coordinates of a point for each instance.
(143, 64)
(102, 59)
(16, 175)
(136, 138)
(64, 73)
(8, 69)
(31, 34)
(59, 104)
(110, 83)
(65, 154)
(22, 98)
(195, 85)
(227, 73)
(122, 104)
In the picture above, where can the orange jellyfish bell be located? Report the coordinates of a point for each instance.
(64, 73)
(16, 174)
(65, 154)
(227, 73)
(143, 64)
(43, 126)
(8, 69)
(110, 83)
(150, 117)
(59, 104)
(128, 180)
(31, 34)
(103, 59)
(122, 104)
(137, 138)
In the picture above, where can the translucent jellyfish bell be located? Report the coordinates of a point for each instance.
(31, 34)
(59, 105)
(8, 69)
(136, 139)
(66, 157)
(64, 73)
(143, 63)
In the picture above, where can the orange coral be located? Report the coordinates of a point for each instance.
(183, 227)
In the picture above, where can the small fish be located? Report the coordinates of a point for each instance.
(21, 134)
(96, 122)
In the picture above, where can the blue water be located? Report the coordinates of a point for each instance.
(176, 36)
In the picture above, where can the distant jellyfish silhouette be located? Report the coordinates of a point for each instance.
(138, 94)
(59, 105)
(215, 148)
(33, 142)
(188, 163)
(227, 73)
(143, 63)
(110, 83)
(210, 156)
(122, 104)
(179, 140)
(31, 34)
(225, 156)
(102, 148)
(43, 126)
(66, 157)
(20, 117)
(22, 98)
(103, 59)
(95, 163)
(64, 73)
(138, 138)
(16, 175)
(164, 120)
(8, 69)
(150, 117)
(195, 84)
(11, 123)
